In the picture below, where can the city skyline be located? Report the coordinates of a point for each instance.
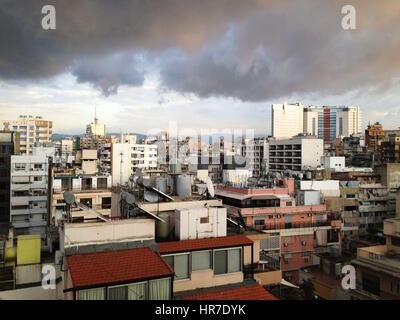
(144, 78)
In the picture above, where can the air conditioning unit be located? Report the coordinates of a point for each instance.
(304, 243)
(286, 244)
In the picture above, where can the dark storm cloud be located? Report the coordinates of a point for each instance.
(92, 29)
(253, 50)
(108, 74)
(302, 49)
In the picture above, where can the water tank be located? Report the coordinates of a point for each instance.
(175, 167)
(183, 186)
(308, 176)
(162, 228)
(161, 184)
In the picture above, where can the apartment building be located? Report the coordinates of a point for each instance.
(286, 120)
(378, 267)
(303, 227)
(9, 145)
(126, 157)
(32, 129)
(374, 134)
(94, 191)
(256, 153)
(29, 195)
(297, 153)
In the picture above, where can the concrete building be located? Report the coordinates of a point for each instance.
(328, 123)
(275, 211)
(96, 129)
(333, 163)
(94, 191)
(378, 267)
(31, 129)
(127, 157)
(256, 153)
(9, 146)
(287, 120)
(29, 195)
(297, 153)
(374, 134)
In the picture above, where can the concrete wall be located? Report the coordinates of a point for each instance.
(97, 232)
(191, 223)
(206, 279)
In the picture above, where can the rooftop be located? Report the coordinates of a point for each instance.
(250, 292)
(207, 243)
(116, 267)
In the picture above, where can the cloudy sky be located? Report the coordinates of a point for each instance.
(204, 64)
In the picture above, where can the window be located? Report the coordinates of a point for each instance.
(136, 291)
(91, 294)
(395, 241)
(201, 260)
(20, 166)
(259, 222)
(288, 203)
(227, 261)
(180, 264)
(159, 289)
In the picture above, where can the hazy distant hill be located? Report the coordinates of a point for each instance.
(59, 136)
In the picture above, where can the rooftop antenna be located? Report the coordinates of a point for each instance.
(95, 115)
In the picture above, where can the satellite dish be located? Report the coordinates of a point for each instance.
(129, 198)
(69, 197)
(150, 196)
(210, 187)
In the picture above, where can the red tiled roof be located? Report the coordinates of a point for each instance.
(196, 244)
(253, 292)
(116, 266)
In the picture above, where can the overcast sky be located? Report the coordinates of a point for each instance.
(204, 64)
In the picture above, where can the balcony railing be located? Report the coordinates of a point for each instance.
(296, 225)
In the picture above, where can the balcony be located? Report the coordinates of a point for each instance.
(297, 225)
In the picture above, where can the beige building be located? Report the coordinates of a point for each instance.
(32, 129)
(287, 120)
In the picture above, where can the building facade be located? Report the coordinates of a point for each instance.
(29, 195)
(287, 120)
(295, 154)
(32, 130)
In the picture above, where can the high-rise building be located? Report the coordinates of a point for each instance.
(9, 145)
(31, 129)
(287, 120)
(329, 123)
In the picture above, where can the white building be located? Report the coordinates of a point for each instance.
(29, 191)
(287, 120)
(297, 154)
(256, 153)
(126, 157)
(333, 163)
(32, 129)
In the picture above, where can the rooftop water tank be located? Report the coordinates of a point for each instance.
(161, 184)
(183, 186)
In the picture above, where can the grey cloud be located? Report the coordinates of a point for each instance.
(92, 29)
(108, 74)
(301, 49)
(254, 50)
